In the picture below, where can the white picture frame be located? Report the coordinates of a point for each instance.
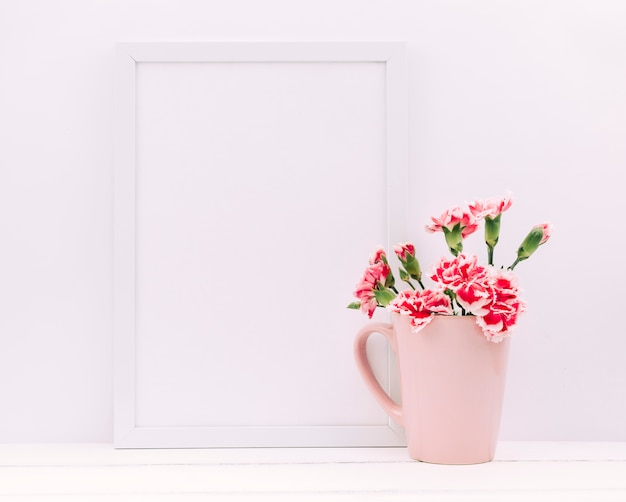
(130, 429)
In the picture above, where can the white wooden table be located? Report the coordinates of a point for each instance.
(522, 471)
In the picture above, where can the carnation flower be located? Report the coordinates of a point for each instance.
(491, 211)
(456, 224)
(501, 313)
(538, 235)
(367, 299)
(378, 255)
(490, 208)
(410, 266)
(453, 273)
(403, 251)
(452, 217)
(474, 295)
(420, 307)
(547, 231)
(462, 286)
(374, 279)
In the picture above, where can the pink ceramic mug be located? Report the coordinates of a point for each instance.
(452, 385)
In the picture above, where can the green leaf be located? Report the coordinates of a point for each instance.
(355, 306)
(384, 296)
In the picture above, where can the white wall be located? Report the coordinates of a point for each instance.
(525, 95)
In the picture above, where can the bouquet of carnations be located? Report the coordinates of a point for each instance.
(461, 286)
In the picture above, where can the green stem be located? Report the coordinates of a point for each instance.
(490, 255)
(394, 289)
(420, 283)
(517, 260)
(460, 306)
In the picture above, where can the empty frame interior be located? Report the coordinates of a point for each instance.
(260, 187)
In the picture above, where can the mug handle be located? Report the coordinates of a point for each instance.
(393, 409)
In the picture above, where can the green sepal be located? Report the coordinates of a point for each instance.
(384, 296)
(492, 230)
(404, 276)
(454, 239)
(390, 281)
(412, 266)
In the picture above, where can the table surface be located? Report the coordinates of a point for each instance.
(521, 471)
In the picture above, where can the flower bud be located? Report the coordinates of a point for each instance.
(547, 231)
(530, 244)
(412, 266)
(378, 255)
(535, 238)
(406, 255)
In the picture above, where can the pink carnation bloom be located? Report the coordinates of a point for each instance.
(402, 250)
(374, 274)
(451, 217)
(490, 207)
(443, 273)
(468, 279)
(378, 255)
(547, 231)
(504, 308)
(365, 295)
(474, 295)
(420, 307)
(436, 302)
